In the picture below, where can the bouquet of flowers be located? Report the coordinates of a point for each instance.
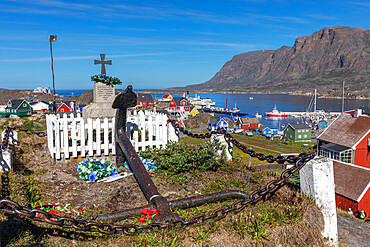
(109, 80)
(148, 164)
(92, 169)
(69, 210)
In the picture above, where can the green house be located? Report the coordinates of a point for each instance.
(18, 107)
(297, 132)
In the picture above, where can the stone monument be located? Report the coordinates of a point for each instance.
(104, 95)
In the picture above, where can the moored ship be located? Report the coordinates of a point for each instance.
(276, 113)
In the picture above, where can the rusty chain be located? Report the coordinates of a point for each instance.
(10, 135)
(10, 207)
(269, 158)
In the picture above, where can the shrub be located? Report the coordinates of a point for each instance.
(179, 158)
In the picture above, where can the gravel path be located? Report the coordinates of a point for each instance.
(353, 233)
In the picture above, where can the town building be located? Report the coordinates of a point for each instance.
(298, 132)
(64, 107)
(42, 90)
(179, 105)
(347, 139)
(248, 123)
(352, 185)
(266, 131)
(18, 107)
(194, 112)
(217, 124)
(167, 97)
(41, 106)
(144, 100)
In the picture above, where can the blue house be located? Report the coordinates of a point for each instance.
(269, 132)
(217, 123)
(321, 125)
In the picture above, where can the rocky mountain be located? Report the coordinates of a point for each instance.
(323, 60)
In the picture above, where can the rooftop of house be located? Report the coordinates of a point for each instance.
(297, 126)
(346, 130)
(16, 103)
(351, 181)
(252, 120)
(178, 100)
(214, 121)
(144, 97)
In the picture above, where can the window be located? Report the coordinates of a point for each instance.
(345, 156)
(299, 136)
(24, 105)
(299, 130)
(305, 136)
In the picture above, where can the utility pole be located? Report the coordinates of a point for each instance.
(51, 39)
(314, 109)
(343, 98)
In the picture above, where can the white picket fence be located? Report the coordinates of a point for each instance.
(70, 136)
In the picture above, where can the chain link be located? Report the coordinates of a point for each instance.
(9, 134)
(10, 207)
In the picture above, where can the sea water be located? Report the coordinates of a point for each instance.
(262, 103)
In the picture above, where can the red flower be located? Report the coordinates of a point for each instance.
(46, 203)
(73, 213)
(153, 211)
(53, 212)
(145, 211)
(141, 220)
(53, 204)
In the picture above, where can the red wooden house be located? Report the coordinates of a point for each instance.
(347, 139)
(63, 107)
(352, 187)
(179, 104)
(144, 100)
(247, 123)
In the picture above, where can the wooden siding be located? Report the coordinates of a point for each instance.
(362, 152)
(365, 203)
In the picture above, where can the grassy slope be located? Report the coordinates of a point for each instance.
(286, 218)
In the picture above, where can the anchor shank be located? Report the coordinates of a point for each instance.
(141, 175)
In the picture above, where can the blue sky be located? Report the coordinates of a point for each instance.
(153, 44)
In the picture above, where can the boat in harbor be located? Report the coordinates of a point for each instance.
(200, 103)
(276, 113)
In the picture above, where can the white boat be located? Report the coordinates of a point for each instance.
(276, 113)
(258, 115)
(201, 103)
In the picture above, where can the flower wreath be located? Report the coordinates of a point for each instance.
(109, 80)
(69, 210)
(93, 169)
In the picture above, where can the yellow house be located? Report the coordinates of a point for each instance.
(194, 112)
(167, 97)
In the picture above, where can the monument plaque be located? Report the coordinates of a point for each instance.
(103, 95)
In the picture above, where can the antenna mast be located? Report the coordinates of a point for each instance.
(343, 98)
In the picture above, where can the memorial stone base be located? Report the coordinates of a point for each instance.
(99, 110)
(104, 96)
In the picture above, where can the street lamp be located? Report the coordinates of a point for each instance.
(51, 39)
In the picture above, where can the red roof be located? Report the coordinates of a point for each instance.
(346, 130)
(351, 181)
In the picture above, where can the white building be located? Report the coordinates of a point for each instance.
(42, 90)
(41, 106)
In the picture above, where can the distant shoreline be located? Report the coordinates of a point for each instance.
(159, 91)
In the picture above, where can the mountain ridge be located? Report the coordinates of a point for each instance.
(322, 60)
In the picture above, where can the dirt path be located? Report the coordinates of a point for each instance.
(267, 149)
(353, 233)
